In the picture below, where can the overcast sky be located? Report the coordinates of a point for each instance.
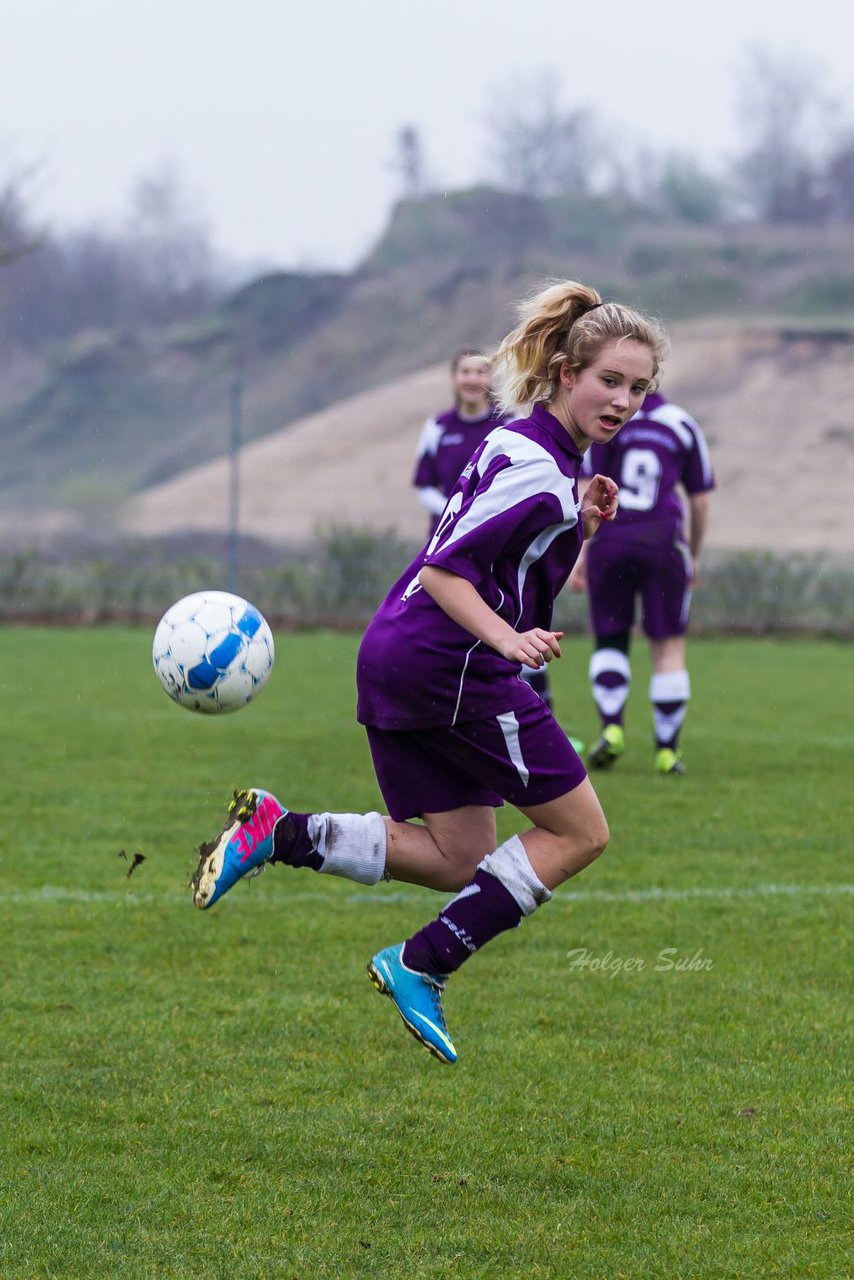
(280, 116)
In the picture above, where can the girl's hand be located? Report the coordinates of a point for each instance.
(599, 503)
(461, 601)
(532, 648)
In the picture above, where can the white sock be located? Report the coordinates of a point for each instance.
(670, 690)
(510, 864)
(610, 677)
(352, 845)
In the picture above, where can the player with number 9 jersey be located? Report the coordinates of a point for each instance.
(646, 551)
(661, 448)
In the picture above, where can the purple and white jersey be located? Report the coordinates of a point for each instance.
(512, 529)
(659, 448)
(446, 444)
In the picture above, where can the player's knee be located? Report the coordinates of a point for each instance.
(599, 838)
(458, 871)
(454, 879)
(592, 842)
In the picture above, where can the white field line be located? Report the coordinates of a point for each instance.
(49, 894)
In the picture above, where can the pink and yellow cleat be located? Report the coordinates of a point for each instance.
(241, 849)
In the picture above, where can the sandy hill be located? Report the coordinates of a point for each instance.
(776, 405)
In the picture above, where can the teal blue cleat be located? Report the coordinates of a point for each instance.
(242, 848)
(418, 997)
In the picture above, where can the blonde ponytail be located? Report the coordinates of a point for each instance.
(566, 323)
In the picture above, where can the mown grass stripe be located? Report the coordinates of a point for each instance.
(654, 893)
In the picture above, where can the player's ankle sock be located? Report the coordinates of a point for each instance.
(292, 844)
(610, 678)
(352, 845)
(669, 692)
(505, 888)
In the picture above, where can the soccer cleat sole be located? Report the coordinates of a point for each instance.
(243, 804)
(212, 852)
(381, 986)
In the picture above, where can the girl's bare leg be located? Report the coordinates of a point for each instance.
(567, 835)
(668, 654)
(512, 881)
(443, 853)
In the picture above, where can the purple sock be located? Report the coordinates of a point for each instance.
(667, 710)
(610, 680)
(292, 843)
(483, 910)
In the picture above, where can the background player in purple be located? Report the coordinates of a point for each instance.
(450, 438)
(645, 552)
(453, 731)
(447, 442)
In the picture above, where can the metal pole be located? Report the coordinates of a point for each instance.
(235, 431)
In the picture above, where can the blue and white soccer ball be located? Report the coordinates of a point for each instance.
(212, 651)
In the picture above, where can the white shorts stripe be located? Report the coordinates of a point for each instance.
(509, 726)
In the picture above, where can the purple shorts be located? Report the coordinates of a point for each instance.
(618, 571)
(521, 756)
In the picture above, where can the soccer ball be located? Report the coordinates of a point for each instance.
(212, 651)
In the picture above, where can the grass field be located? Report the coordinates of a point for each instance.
(224, 1095)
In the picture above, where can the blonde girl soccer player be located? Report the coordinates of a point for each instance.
(447, 442)
(452, 729)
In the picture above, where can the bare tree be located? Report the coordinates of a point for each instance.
(839, 180)
(786, 117)
(538, 146)
(18, 234)
(172, 242)
(21, 246)
(157, 269)
(408, 162)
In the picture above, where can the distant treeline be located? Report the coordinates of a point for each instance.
(794, 167)
(156, 268)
